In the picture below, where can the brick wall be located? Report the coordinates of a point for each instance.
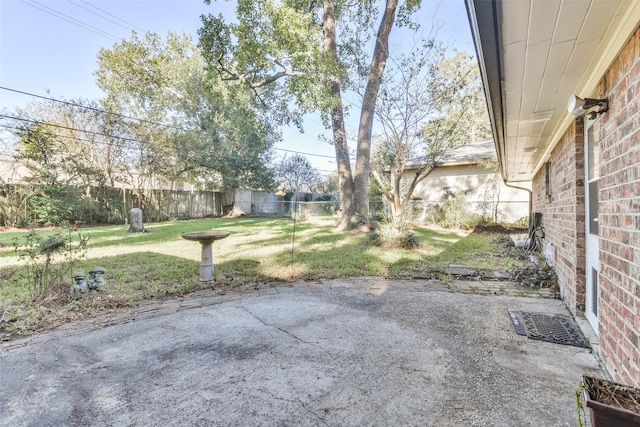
(563, 214)
(619, 218)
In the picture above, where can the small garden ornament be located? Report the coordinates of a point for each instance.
(79, 285)
(96, 281)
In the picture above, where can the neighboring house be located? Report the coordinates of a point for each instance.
(584, 168)
(467, 172)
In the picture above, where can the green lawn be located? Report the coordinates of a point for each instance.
(161, 264)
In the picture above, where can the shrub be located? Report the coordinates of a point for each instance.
(454, 212)
(56, 204)
(394, 236)
(45, 210)
(117, 220)
(331, 205)
(49, 259)
(522, 222)
(408, 240)
(374, 239)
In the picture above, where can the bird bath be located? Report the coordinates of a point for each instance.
(206, 239)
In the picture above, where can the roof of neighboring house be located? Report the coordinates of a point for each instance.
(468, 154)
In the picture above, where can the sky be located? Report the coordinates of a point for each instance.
(49, 48)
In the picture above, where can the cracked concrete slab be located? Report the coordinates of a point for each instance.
(358, 353)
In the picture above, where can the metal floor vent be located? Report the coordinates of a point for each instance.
(557, 328)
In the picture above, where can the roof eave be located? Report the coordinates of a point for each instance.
(483, 20)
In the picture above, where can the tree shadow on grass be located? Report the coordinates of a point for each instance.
(472, 250)
(137, 277)
(159, 233)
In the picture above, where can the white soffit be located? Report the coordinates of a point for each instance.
(553, 49)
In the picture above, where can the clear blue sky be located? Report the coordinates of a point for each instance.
(49, 48)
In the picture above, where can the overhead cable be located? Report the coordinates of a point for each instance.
(129, 26)
(69, 19)
(99, 110)
(237, 161)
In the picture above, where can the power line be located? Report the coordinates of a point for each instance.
(99, 110)
(306, 154)
(130, 27)
(76, 138)
(71, 20)
(236, 161)
(38, 122)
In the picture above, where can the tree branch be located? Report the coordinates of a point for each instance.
(383, 185)
(222, 70)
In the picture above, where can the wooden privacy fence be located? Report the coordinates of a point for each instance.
(98, 205)
(158, 205)
(110, 205)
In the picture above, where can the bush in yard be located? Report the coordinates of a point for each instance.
(375, 239)
(408, 240)
(331, 205)
(393, 236)
(55, 204)
(454, 211)
(50, 260)
(45, 210)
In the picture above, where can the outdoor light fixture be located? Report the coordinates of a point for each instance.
(578, 106)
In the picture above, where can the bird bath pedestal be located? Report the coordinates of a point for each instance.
(206, 239)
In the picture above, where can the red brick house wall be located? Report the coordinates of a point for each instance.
(563, 215)
(562, 208)
(619, 217)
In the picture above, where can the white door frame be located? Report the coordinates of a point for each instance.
(592, 241)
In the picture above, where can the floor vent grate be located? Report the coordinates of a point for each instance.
(556, 328)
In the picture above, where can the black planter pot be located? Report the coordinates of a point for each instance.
(604, 415)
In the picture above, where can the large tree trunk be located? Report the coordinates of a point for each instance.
(345, 179)
(378, 64)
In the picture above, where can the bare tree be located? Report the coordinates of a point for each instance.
(427, 105)
(296, 174)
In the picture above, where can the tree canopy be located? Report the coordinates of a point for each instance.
(190, 126)
(305, 54)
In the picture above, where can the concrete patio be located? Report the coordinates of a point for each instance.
(350, 352)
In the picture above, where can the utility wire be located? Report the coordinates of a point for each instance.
(71, 20)
(99, 110)
(38, 122)
(306, 154)
(129, 26)
(112, 15)
(236, 161)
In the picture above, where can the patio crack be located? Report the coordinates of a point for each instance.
(279, 328)
(296, 400)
